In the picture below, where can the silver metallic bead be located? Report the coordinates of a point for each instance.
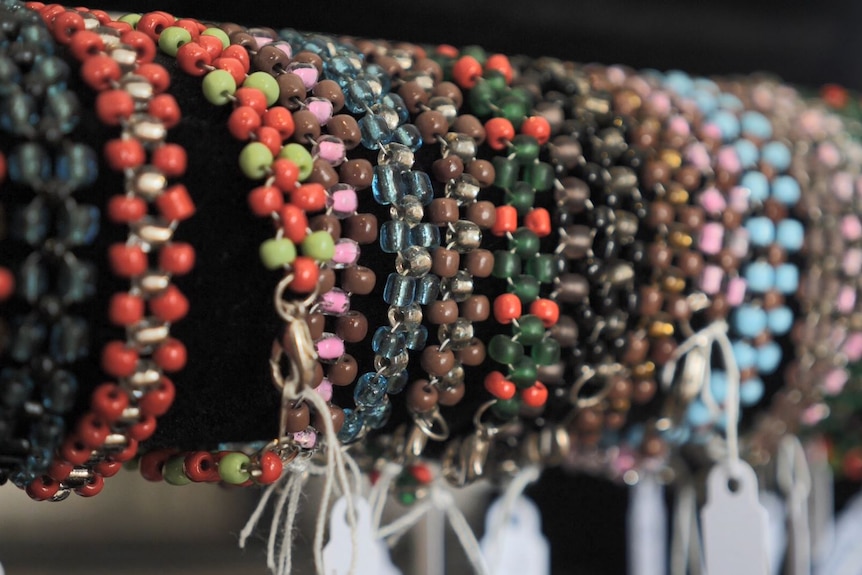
(459, 287)
(463, 236)
(460, 145)
(408, 316)
(459, 333)
(465, 189)
(415, 261)
(409, 209)
(395, 154)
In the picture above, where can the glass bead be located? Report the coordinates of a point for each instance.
(546, 352)
(342, 201)
(61, 110)
(786, 190)
(526, 149)
(77, 165)
(529, 329)
(427, 289)
(394, 236)
(751, 392)
(460, 145)
(331, 149)
(780, 320)
(768, 357)
(506, 172)
(397, 154)
(307, 73)
(358, 96)
(77, 225)
(378, 415)
(787, 278)
(522, 197)
(388, 343)
(18, 114)
(391, 367)
(543, 267)
(540, 175)
(790, 234)
(350, 430)
(59, 393)
(463, 236)
(459, 334)
(445, 106)
(340, 66)
(396, 103)
(10, 78)
(460, 286)
(33, 278)
(506, 265)
(31, 223)
(749, 321)
(399, 290)
(335, 302)
(347, 254)
(76, 280)
(525, 243)
(760, 276)
(761, 230)
(776, 154)
(503, 350)
(16, 387)
(417, 338)
(414, 261)
(454, 377)
(29, 337)
(408, 135)
(425, 235)
(386, 184)
(525, 287)
(299, 155)
(409, 209)
(757, 184)
(465, 189)
(29, 164)
(419, 184)
(370, 389)
(396, 383)
(409, 317)
(374, 131)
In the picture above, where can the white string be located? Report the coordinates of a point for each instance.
(255, 516)
(380, 492)
(514, 491)
(291, 494)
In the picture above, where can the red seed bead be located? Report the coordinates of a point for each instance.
(171, 159)
(37, 6)
(109, 401)
(108, 468)
(546, 310)
(191, 26)
(175, 203)
(153, 463)
(156, 402)
(232, 66)
(498, 133)
(177, 258)
(171, 356)
(7, 284)
(100, 71)
(128, 453)
(67, 25)
(2, 168)
(193, 59)
(507, 307)
(467, 71)
(251, 97)
(113, 106)
(264, 200)
(92, 431)
(59, 470)
(535, 396)
(240, 54)
(125, 309)
(294, 222)
(305, 275)
(271, 468)
(200, 467)
(127, 261)
(124, 154)
(119, 360)
(86, 44)
(140, 43)
(281, 119)
(507, 221)
(143, 429)
(102, 16)
(165, 108)
(447, 51)
(153, 23)
(286, 174)
(498, 386)
(538, 220)
(500, 63)
(156, 75)
(171, 305)
(270, 138)
(834, 95)
(243, 122)
(50, 12)
(43, 488)
(119, 26)
(309, 197)
(74, 451)
(125, 209)
(538, 127)
(421, 473)
(211, 44)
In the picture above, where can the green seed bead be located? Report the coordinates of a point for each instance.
(131, 19)
(522, 95)
(543, 267)
(505, 172)
(277, 253)
(265, 83)
(407, 498)
(233, 468)
(218, 33)
(477, 52)
(299, 155)
(522, 197)
(507, 408)
(530, 330)
(512, 109)
(526, 149)
(255, 160)
(503, 350)
(482, 98)
(525, 242)
(524, 373)
(525, 287)
(498, 82)
(540, 175)
(506, 265)
(319, 246)
(172, 38)
(218, 86)
(174, 471)
(546, 352)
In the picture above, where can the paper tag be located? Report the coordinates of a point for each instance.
(647, 528)
(734, 523)
(373, 554)
(776, 532)
(516, 546)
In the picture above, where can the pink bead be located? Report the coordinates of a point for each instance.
(639, 85)
(842, 186)
(711, 238)
(346, 253)
(852, 262)
(307, 74)
(711, 131)
(811, 121)
(713, 201)
(285, 47)
(853, 346)
(262, 40)
(330, 347)
(846, 299)
(344, 201)
(324, 390)
(624, 461)
(305, 439)
(679, 125)
(332, 151)
(711, 278)
(739, 199)
(334, 302)
(736, 291)
(814, 414)
(829, 155)
(835, 381)
(698, 156)
(727, 158)
(615, 75)
(738, 243)
(659, 104)
(321, 108)
(851, 228)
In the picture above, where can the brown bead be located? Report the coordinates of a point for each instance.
(291, 91)
(431, 124)
(690, 178)
(271, 59)
(244, 39)
(589, 420)
(352, 327)
(306, 127)
(483, 214)
(731, 219)
(443, 211)
(326, 281)
(719, 307)
(660, 256)
(343, 371)
(442, 312)
(345, 128)
(480, 263)
(650, 300)
(326, 223)
(436, 362)
(566, 152)
(414, 96)
(430, 67)
(474, 354)
(475, 308)
(230, 28)
(652, 446)
(471, 126)
(774, 210)
(306, 57)
(727, 260)
(746, 374)
(297, 418)
(449, 396)
(445, 262)
(775, 255)
(422, 396)
(615, 420)
(677, 306)
(448, 168)
(636, 350)
(565, 331)
(662, 349)
(644, 391)
(692, 217)
(573, 288)
(656, 173)
(317, 379)
(336, 415)
(483, 171)
(330, 90)
(660, 214)
(323, 173)
(390, 65)
(358, 280)
(620, 388)
(361, 228)
(316, 324)
(691, 263)
(357, 173)
(772, 299)
(627, 102)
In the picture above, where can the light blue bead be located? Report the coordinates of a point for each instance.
(787, 278)
(396, 102)
(777, 155)
(748, 153)
(751, 391)
(387, 343)
(757, 183)
(417, 338)
(353, 422)
(399, 290)
(427, 289)
(396, 383)
(730, 102)
(425, 235)
(419, 184)
(780, 320)
(785, 189)
(760, 276)
(749, 321)
(374, 131)
(375, 74)
(377, 416)
(408, 135)
(756, 125)
(706, 85)
(679, 82)
(718, 386)
(768, 357)
(387, 185)
(727, 123)
(635, 435)
(698, 414)
(339, 66)
(358, 96)
(790, 235)
(761, 231)
(370, 389)
(705, 100)
(745, 355)
(677, 435)
(394, 236)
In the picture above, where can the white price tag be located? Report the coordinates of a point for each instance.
(373, 554)
(515, 546)
(776, 533)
